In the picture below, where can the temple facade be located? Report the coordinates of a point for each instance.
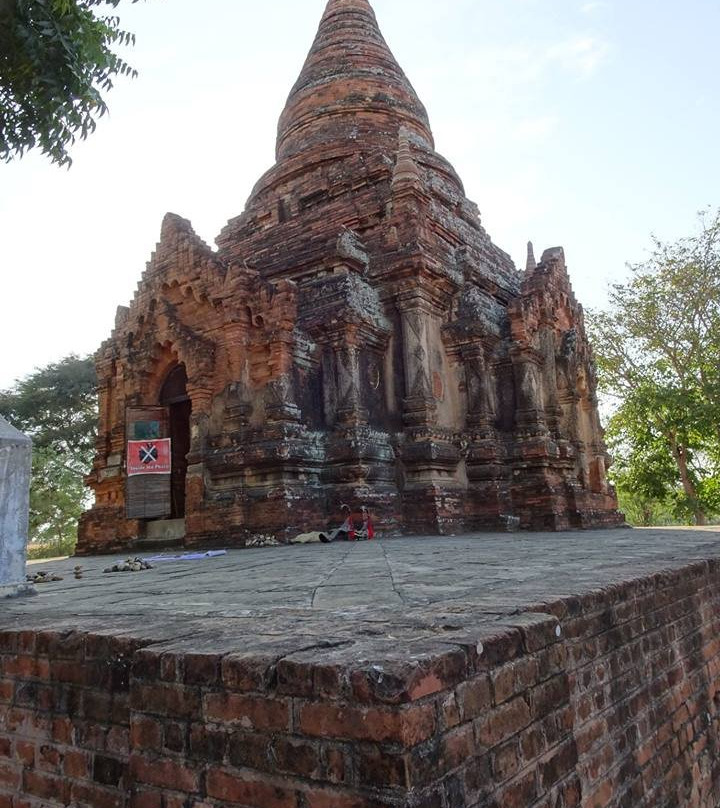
(356, 338)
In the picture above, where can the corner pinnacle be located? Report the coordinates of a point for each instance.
(531, 264)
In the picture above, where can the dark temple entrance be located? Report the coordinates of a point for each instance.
(174, 396)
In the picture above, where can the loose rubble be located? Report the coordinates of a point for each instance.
(263, 541)
(43, 578)
(131, 565)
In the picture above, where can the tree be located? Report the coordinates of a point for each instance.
(56, 406)
(644, 472)
(658, 353)
(58, 498)
(56, 61)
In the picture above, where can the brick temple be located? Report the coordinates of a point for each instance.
(356, 338)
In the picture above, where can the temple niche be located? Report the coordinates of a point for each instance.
(356, 337)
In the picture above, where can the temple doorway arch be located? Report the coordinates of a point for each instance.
(174, 396)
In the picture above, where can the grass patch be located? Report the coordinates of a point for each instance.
(51, 549)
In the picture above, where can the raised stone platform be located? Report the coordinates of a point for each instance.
(537, 670)
(339, 587)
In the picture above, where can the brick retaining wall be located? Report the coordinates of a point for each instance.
(611, 699)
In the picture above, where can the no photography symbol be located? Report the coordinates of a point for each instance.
(148, 454)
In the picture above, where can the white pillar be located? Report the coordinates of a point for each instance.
(15, 468)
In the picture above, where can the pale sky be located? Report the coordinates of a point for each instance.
(584, 124)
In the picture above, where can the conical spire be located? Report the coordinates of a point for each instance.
(350, 88)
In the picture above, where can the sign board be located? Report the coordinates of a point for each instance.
(148, 484)
(149, 457)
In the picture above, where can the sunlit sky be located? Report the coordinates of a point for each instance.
(585, 124)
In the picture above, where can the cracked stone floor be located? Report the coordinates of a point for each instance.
(394, 589)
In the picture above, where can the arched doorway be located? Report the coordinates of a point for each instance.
(174, 396)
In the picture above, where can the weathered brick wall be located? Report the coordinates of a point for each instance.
(64, 719)
(645, 680)
(607, 700)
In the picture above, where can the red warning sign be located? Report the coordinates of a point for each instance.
(149, 457)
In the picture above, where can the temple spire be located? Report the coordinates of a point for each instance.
(351, 86)
(336, 6)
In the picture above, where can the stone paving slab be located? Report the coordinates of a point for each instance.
(374, 596)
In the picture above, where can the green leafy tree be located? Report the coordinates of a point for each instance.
(644, 472)
(57, 499)
(57, 58)
(56, 406)
(658, 353)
